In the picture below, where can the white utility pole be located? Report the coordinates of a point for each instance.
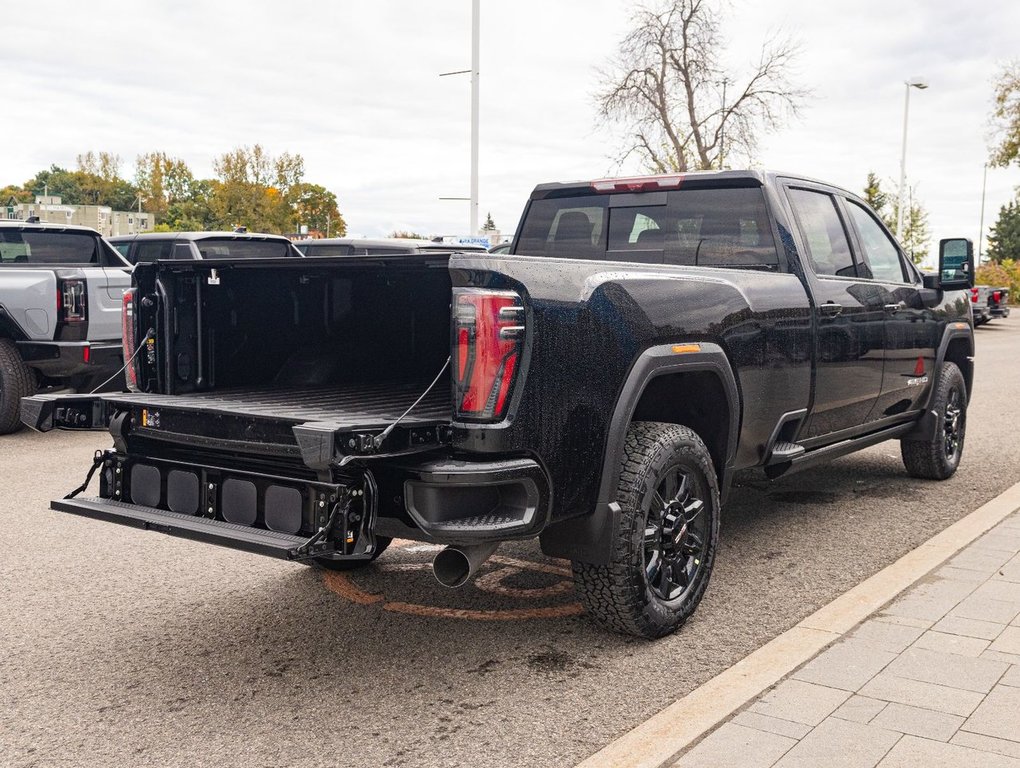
(920, 83)
(981, 226)
(475, 56)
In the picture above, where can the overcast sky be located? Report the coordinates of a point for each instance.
(354, 88)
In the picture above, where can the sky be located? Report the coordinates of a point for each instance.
(355, 89)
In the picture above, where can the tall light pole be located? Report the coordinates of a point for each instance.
(920, 83)
(981, 230)
(475, 56)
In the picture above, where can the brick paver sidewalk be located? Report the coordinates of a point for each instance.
(931, 680)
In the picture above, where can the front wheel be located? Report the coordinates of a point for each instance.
(938, 457)
(665, 540)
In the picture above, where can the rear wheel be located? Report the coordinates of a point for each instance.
(938, 457)
(381, 542)
(16, 382)
(664, 545)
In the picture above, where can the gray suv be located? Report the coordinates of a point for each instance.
(61, 290)
(153, 246)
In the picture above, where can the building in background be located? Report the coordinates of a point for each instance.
(101, 218)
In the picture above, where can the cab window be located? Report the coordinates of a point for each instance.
(881, 252)
(826, 240)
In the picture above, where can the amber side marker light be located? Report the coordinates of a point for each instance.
(683, 349)
(959, 326)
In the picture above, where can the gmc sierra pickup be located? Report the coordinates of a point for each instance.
(597, 387)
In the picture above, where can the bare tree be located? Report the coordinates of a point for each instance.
(682, 110)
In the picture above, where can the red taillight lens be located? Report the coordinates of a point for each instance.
(996, 296)
(974, 295)
(128, 337)
(488, 335)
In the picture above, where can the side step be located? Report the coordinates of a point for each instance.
(783, 452)
(804, 459)
(225, 534)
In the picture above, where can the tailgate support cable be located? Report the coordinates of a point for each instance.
(381, 437)
(97, 462)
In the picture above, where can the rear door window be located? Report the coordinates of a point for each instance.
(150, 250)
(20, 247)
(711, 227)
(227, 248)
(824, 235)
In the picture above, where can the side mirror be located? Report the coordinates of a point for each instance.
(956, 264)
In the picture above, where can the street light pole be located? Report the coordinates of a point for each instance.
(920, 84)
(981, 231)
(475, 56)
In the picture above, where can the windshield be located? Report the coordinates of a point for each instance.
(228, 248)
(28, 247)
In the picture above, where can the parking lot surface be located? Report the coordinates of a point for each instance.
(125, 648)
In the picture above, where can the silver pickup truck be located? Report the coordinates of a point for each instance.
(61, 290)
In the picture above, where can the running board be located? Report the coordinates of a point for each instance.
(806, 459)
(257, 540)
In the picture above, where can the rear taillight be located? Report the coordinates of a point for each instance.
(996, 296)
(129, 339)
(974, 295)
(488, 338)
(72, 301)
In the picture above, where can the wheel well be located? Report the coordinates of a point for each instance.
(958, 351)
(696, 399)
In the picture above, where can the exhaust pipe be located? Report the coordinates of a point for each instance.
(455, 566)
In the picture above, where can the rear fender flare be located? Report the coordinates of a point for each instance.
(587, 538)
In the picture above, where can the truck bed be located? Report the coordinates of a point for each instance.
(356, 406)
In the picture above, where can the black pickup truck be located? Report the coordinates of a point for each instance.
(597, 387)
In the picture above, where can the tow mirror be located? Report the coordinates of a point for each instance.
(956, 264)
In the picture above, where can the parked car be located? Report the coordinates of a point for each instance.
(60, 312)
(988, 302)
(380, 246)
(597, 389)
(150, 246)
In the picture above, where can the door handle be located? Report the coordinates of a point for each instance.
(831, 309)
(895, 307)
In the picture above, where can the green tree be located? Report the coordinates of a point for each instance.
(15, 193)
(1004, 237)
(916, 233)
(316, 206)
(256, 190)
(195, 213)
(489, 225)
(1006, 116)
(874, 196)
(100, 182)
(162, 181)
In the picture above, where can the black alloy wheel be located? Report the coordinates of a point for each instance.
(675, 535)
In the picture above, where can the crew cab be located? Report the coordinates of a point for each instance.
(187, 246)
(596, 388)
(60, 312)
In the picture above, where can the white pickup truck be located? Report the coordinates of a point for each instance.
(61, 290)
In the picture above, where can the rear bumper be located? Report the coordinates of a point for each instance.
(999, 311)
(463, 502)
(60, 359)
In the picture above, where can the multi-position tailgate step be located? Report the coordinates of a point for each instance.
(260, 541)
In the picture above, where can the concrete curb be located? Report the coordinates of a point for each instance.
(659, 740)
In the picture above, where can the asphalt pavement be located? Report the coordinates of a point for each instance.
(125, 648)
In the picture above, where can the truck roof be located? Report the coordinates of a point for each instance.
(196, 236)
(671, 181)
(36, 226)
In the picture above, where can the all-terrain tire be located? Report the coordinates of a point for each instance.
(381, 542)
(938, 457)
(619, 595)
(16, 382)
